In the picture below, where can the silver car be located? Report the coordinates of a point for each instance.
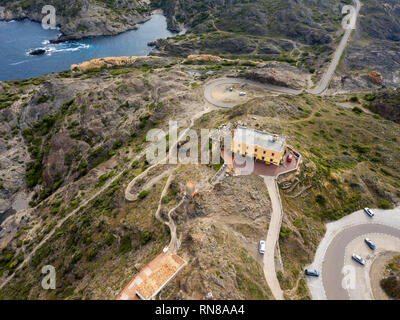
(358, 259)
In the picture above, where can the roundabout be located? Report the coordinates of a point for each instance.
(341, 277)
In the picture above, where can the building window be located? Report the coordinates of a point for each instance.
(272, 160)
(239, 144)
(263, 158)
(255, 150)
(264, 152)
(247, 147)
(273, 154)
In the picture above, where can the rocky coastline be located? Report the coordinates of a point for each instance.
(81, 27)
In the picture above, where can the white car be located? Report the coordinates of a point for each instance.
(369, 212)
(242, 94)
(262, 247)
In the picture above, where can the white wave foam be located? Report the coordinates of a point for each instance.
(16, 63)
(60, 47)
(66, 47)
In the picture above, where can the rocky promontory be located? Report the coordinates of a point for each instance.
(81, 18)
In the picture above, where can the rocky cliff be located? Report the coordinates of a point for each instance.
(82, 18)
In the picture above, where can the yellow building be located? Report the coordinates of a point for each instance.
(263, 146)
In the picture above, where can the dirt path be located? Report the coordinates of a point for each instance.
(350, 106)
(272, 238)
(60, 222)
(133, 197)
(174, 243)
(211, 86)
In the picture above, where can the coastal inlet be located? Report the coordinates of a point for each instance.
(26, 52)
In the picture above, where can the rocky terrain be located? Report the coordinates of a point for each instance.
(386, 104)
(375, 44)
(72, 141)
(82, 18)
(302, 33)
(391, 282)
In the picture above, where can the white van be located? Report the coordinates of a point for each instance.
(262, 247)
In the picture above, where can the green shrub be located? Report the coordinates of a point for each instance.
(145, 237)
(285, 232)
(91, 255)
(383, 204)
(353, 99)
(125, 245)
(77, 256)
(135, 164)
(369, 97)
(143, 194)
(109, 239)
(42, 99)
(320, 199)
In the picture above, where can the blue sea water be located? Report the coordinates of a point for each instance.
(17, 38)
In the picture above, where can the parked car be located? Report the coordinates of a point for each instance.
(358, 259)
(289, 158)
(311, 272)
(370, 244)
(230, 89)
(242, 94)
(262, 247)
(369, 212)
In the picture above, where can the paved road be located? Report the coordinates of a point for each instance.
(326, 78)
(272, 238)
(331, 255)
(319, 89)
(365, 278)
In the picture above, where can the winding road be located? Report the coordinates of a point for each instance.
(272, 238)
(208, 94)
(344, 237)
(318, 90)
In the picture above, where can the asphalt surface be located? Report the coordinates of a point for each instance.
(319, 89)
(323, 84)
(332, 267)
(331, 255)
(272, 238)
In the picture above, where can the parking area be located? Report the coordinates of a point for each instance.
(260, 168)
